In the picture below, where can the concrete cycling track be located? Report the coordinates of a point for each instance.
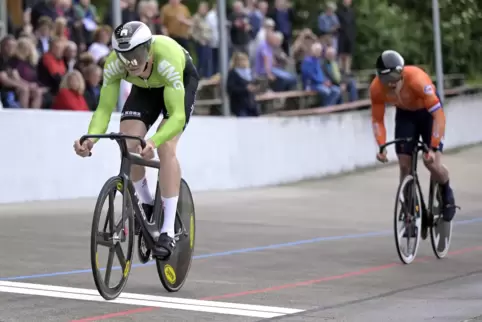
(313, 251)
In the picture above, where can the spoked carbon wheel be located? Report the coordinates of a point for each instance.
(174, 271)
(108, 235)
(440, 231)
(407, 220)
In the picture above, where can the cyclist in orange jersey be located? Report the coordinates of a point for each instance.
(419, 112)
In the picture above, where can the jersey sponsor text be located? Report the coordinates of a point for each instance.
(168, 71)
(113, 68)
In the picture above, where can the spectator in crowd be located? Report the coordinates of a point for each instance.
(52, 68)
(85, 14)
(314, 78)
(302, 47)
(60, 29)
(268, 26)
(328, 25)
(212, 21)
(129, 12)
(241, 87)
(176, 18)
(280, 79)
(70, 55)
(346, 40)
(85, 59)
(333, 73)
(26, 30)
(255, 18)
(45, 8)
(16, 91)
(240, 28)
(263, 9)
(201, 35)
(149, 14)
(99, 48)
(93, 75)
(283, 16)
(71, 93)
(44, 34)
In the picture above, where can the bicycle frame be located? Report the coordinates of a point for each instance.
(151, 231)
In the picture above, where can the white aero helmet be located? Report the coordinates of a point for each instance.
(131, 42)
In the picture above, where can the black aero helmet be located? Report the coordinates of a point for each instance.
(132, 41)
(390, 66)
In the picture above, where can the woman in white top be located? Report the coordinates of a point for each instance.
(99, 47)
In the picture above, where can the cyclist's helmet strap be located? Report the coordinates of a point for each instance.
(131, 42)
(389, 66)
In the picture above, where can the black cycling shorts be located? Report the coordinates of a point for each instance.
(147, 104)
(414, 124)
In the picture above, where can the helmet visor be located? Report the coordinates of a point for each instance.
(134, 59)
(389, 76)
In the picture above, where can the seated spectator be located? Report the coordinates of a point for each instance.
(241, 87)
(44, 8)
(99, 47)
(302, 47)
(52, 68)
(149, 14)
(71, 93)
(281, 79)
(86, 14)
(92, 75)
(85, 59)
(44, 34)
(201, 34)
(268, 25)
(60, 30)
(70, 55)
(14, 91)
(314, 78)
(333, 72)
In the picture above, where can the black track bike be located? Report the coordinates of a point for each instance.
(113, 232)
(412, 218)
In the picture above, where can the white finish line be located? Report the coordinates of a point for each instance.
(146, 300)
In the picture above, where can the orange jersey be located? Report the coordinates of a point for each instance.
(417, 92)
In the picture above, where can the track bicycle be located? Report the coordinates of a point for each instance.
(412, 218)
(172, 271)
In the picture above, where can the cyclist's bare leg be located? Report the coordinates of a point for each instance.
(138, 173)
(170, 180)
(405, 165)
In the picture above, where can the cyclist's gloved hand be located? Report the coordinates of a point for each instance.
(84, 149)
(148, 152)
(382, 157)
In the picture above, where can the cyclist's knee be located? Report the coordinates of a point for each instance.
(167, 150)
(405, 165)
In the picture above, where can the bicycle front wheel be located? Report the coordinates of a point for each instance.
(407, 219)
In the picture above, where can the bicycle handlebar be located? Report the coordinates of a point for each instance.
(420, 145)
(113, 136)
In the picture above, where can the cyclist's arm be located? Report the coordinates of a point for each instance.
(174, 102)
(109, 94)
(434, 106)
(378, 115)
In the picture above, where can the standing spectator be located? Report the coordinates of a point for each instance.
(201, 35)
(212, 21)
(241, 88)
(26, 30)
(240, 28)
(263, 9)
(70, 55)
(346, 40)
(255, 18)
(314, 78)
(71, 93)
(149, 14)
(333, 72)
(44, 34)
(284, 16)
(176, 17)
(85, 14)
(281, 79)
(52, 68)
(99, 48)
(129, 12)
(93, 74)
(328, 25)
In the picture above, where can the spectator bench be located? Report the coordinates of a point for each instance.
(365, 103)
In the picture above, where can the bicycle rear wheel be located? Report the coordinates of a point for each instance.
(440, 230)
(407, 219)
(114, 232)
(174, 271)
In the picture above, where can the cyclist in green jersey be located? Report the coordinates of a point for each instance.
(164, 80)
